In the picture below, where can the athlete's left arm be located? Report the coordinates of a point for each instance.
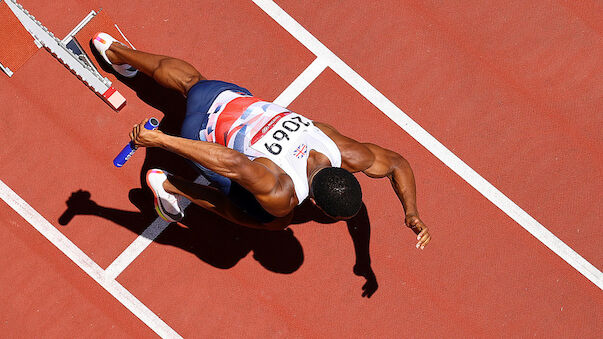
(378, 162)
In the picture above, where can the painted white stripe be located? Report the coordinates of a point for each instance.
(136, 247)
(301, 82)
(145, 239)
(85, 263)
(122, 34)
(431, 144)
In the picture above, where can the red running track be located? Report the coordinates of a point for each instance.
(512, 88)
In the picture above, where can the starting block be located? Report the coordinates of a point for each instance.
(68, 51)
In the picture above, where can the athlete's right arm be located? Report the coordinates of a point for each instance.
(252, 175)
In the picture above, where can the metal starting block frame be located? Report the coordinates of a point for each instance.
(6, 69)
(69, 53)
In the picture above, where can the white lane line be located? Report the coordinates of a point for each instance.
(159, 225)
(431, 144)
(301, 82)
(122, 34)
(85, 263)
(136, 247)
(144, 239)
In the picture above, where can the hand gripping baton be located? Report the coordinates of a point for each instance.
(130, 148)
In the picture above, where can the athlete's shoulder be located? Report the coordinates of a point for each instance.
(278, 196)
(355, 156)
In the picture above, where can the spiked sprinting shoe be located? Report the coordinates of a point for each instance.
(102, 42)
(166, 204)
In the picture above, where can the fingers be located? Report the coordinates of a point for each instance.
(370, 287)
(415, 224)
(135, 134)
(424, 238)
(365, 290)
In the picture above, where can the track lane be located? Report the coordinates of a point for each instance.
(247, 295)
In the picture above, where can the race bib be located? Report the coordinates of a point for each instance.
(280, 133)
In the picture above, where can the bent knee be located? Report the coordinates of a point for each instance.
(179, 74)
(189, 81)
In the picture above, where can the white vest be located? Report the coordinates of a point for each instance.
(288, 142)
(263, 129)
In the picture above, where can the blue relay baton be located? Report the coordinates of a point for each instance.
(130, 148)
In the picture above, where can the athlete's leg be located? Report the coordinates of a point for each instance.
(167, 71)
(217, 202)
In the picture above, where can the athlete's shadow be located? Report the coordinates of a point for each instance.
(223, 244)
(359, 228)
(213, 239)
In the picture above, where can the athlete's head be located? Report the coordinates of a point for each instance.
(337, 192)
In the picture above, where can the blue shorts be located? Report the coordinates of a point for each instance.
(199, 99)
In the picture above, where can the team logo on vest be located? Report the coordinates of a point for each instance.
(301, 151)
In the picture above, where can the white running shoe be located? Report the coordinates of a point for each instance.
(166, 204)
(102, 42)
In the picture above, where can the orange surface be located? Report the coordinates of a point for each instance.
(512, 89)
(488, 80)
(17, 44)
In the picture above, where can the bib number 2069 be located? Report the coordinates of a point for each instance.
(284, 131)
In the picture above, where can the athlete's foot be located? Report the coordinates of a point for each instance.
(169, 187)
(166, 204)
(107, 46)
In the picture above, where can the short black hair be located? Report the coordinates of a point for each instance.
(337, 192)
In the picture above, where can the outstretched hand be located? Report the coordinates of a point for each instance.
(141, 136)
(414, 222)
